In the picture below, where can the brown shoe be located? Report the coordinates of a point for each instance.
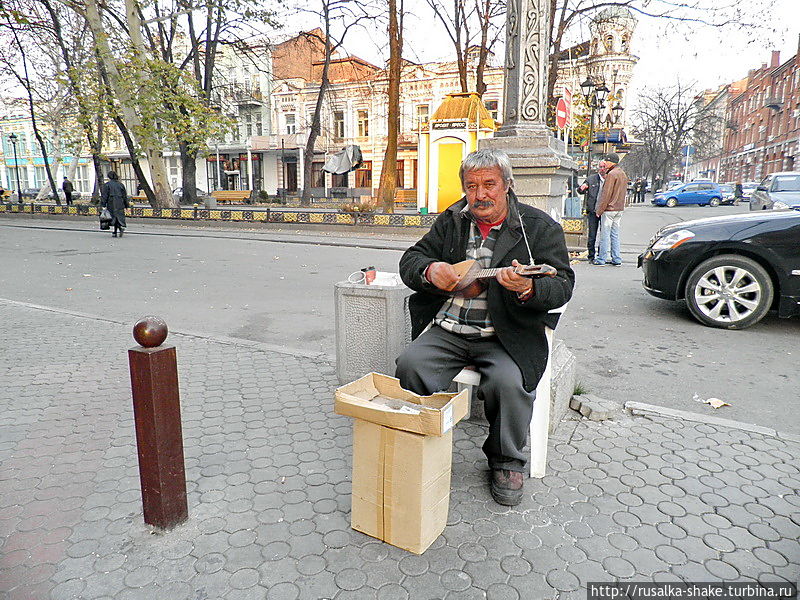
(506, 487)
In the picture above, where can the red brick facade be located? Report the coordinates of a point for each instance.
(762, 133)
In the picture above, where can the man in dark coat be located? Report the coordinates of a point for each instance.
(115, 199)
(502, 330)
(591, 187)
(68, 189)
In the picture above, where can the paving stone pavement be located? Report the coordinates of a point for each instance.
(268, 469)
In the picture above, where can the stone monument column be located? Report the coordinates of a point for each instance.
(541, 164)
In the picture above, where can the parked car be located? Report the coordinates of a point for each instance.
(748, 187)
(727, 193)
(702, 193)
(779, 190)
(730, 270)
(30, 192)
(177, 193)
(671, 185)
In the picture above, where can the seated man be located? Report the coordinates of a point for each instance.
(502, 330)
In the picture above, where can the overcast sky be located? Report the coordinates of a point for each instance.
(668, 51)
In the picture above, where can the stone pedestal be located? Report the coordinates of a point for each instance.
(541, 168)
(373, 327)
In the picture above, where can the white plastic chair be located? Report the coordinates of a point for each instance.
(469, 379)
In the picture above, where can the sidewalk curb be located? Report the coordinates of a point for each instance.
(231, 341)
(643, 410)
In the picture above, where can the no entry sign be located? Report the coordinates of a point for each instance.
(562, 112)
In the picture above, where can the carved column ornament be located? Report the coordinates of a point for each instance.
(527, 49)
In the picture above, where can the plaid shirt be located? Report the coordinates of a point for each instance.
(469, 317)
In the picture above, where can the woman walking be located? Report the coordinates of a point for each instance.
(115, 199)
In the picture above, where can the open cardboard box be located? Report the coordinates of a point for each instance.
(402, 456)
(370, 399)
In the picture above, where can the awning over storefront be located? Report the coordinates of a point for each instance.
(344, 161)
(612, 136)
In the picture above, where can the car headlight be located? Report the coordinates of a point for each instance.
(673, 240)
(777, 205)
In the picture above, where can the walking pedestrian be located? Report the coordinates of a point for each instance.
(115, 199)
(609, 210)
(642, 190)
(738, 193)
(68, 189)
(591, 187)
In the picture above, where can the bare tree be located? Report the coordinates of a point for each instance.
(567, 15)
(473, 28)
(338, 18)
(666, 120)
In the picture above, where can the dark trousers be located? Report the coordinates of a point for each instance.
(429, 364)
(68, 196)
(594, 225)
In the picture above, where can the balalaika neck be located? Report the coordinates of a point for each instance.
(487, 273)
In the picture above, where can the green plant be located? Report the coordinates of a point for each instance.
(580, 389)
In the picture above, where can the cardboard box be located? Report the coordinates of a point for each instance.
(402, 456)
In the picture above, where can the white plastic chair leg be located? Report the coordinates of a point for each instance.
(540, 420)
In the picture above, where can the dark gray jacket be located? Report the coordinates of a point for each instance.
(519, 326)
(592, 192)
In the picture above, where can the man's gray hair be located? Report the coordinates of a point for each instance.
(487, 159)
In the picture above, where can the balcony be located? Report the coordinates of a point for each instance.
(245, 94)
(774, 102)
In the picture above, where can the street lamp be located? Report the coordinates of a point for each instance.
(13, 139)
(595, 96)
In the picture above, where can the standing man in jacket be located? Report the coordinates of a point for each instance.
(502, 330)
(591, 187)
(68, 189)
(609, 210)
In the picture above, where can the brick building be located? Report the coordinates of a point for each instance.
(762, 133)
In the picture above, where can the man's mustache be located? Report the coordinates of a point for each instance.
(483, 204)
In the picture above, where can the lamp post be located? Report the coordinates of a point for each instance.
(13, 139)
(595, 96)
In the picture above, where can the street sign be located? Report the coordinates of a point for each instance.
(561, 113)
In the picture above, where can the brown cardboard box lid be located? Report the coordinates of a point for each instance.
(379, 399)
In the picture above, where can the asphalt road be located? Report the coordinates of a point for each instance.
(276, 286)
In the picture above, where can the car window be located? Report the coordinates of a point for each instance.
(691, 188)
(786, 183)
(706, 186)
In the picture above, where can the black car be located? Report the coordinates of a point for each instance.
(730, 270)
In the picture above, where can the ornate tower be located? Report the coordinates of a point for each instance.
(610, 59)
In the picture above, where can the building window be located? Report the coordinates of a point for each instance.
(81, 179)
(415, 173)
(401, 175)
(40, 177)
(338, 124)
(491, 106)
(317, 175)
(422, 114)
(364, 175)
(291, 126)
(363, 123)
(339, 180)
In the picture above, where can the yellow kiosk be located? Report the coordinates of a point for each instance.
(452, 132)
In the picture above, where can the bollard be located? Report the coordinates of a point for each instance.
(157, 415)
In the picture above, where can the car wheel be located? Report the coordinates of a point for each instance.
(714, 202)
(672, 203)
(729, 292)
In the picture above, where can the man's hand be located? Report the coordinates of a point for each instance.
(511, 281)
(442, 275)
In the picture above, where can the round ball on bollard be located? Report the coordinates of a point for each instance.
(150, 332)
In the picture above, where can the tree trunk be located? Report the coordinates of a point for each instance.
(388, 183)
(314, 131)
(189, 174)
(161, 196)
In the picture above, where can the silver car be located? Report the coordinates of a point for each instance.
(776, 191)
